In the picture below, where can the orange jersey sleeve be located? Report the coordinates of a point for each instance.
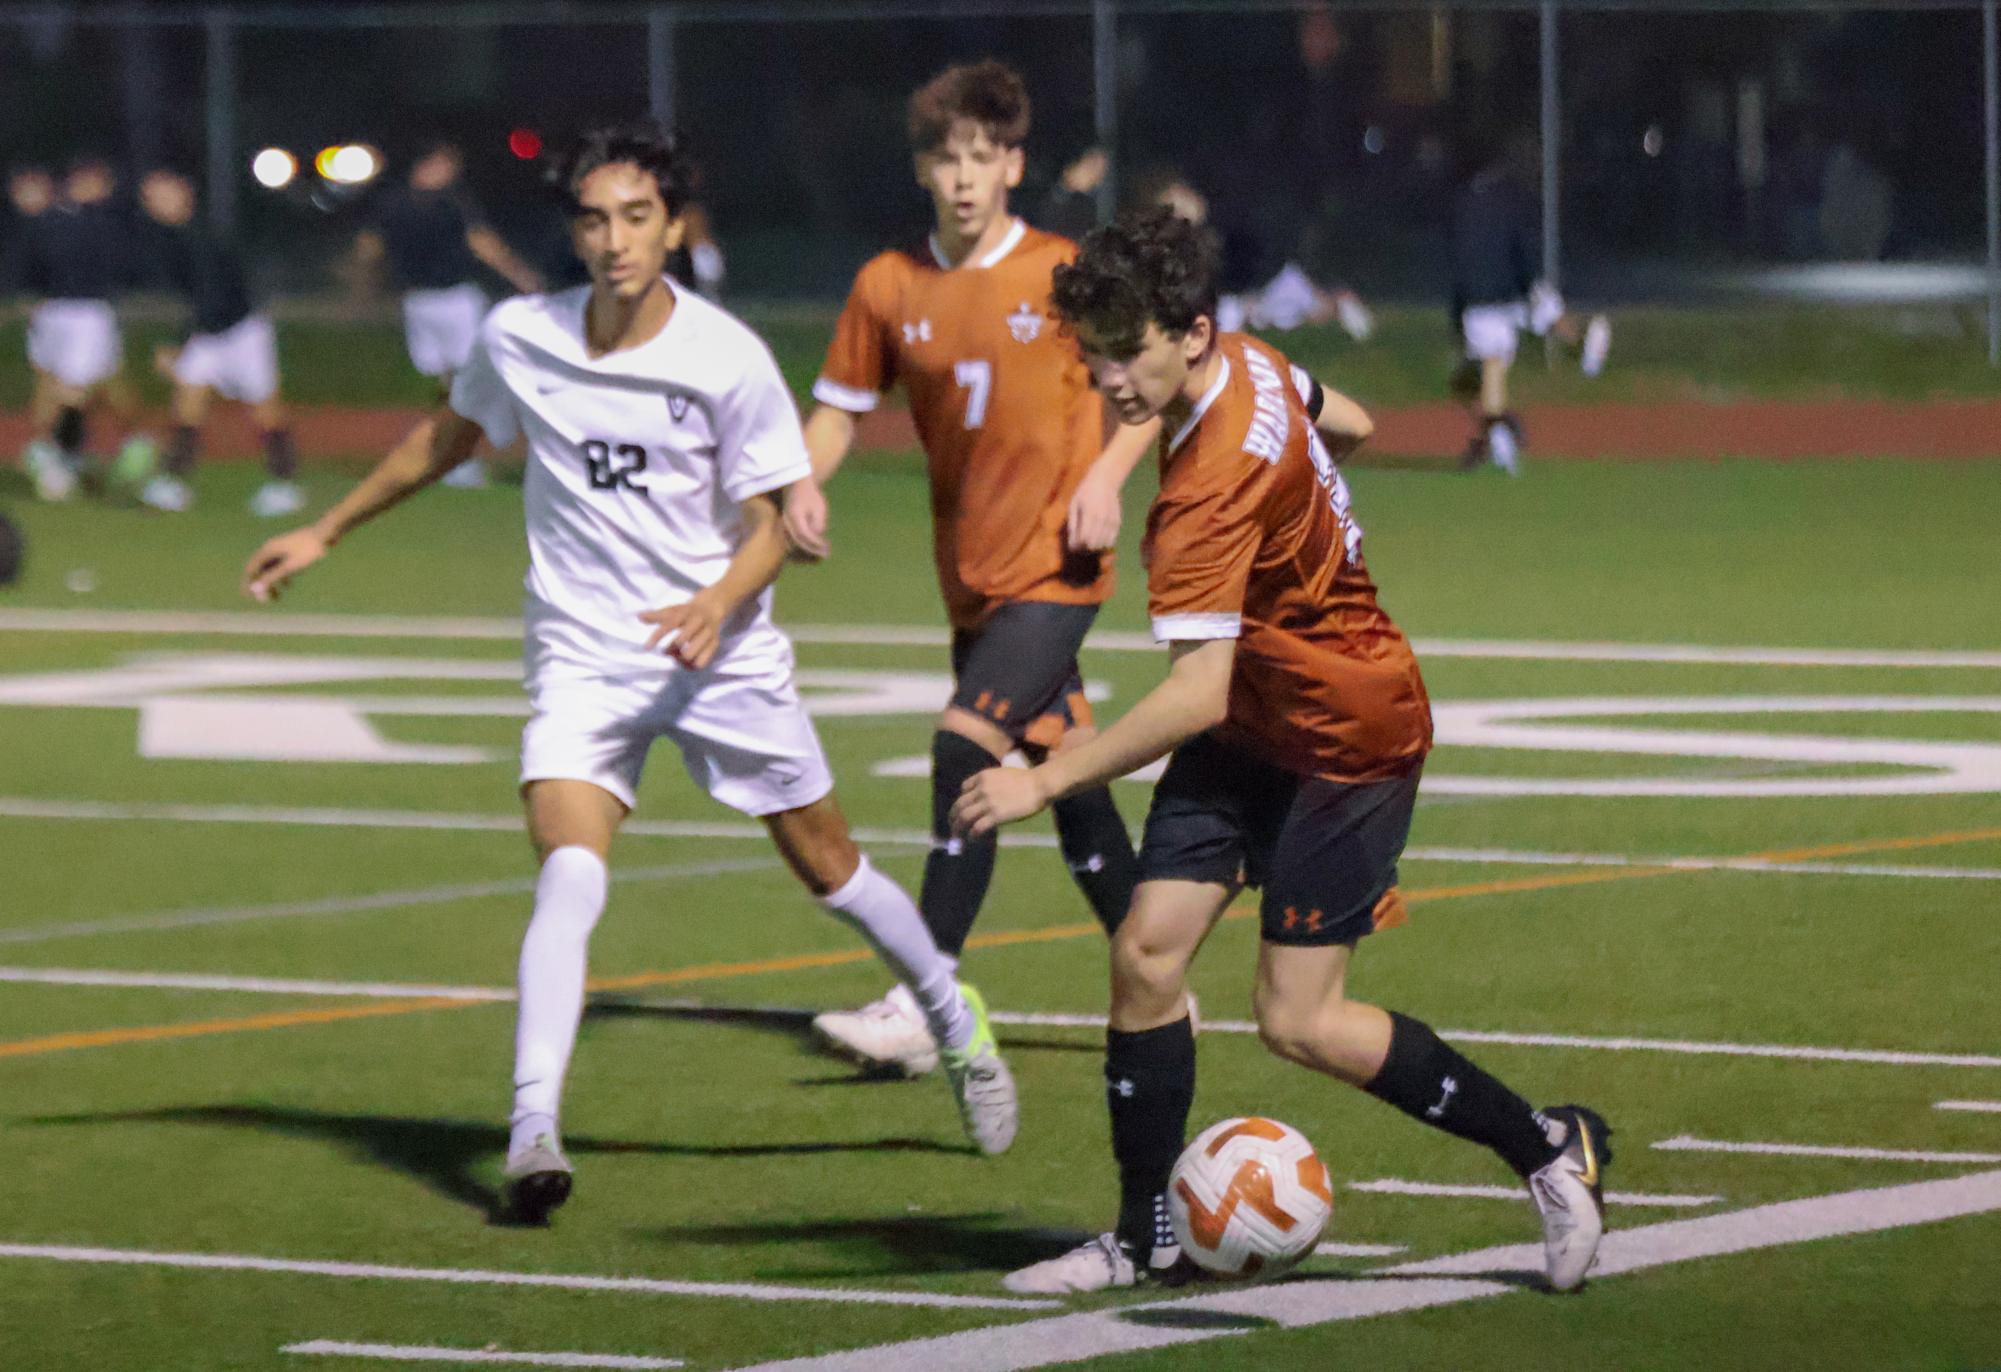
(861, 363)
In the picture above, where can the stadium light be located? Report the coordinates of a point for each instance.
(274, 168)
(348, 164)
(525, 144)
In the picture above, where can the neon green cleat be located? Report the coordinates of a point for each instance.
(988, 1105)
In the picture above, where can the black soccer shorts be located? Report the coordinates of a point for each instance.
(1018, 670)
(1323, 852)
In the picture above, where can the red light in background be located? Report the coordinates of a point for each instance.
(525, 144)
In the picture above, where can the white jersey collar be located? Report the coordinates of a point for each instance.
(1202, 405)
(999, 250)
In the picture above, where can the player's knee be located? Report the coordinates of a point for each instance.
(817, 846)
(1149, 974)
(1286, 1029)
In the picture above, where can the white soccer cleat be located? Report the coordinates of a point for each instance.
(276, 499)
(538, 1178)
(1354, 316)
(1099, 1265)
(884, 1035)
(1570, 1195)
(1597, 345)
(988, 1105)
(54, 478)
(469, 475)
(1504, 448)
(168, 494)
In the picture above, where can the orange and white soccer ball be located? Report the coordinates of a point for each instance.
(1249, 1198)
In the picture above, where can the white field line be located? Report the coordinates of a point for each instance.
(1696, 1047)
(1684, 1144)
(1978, 1107)
(327, 817)
(1393, 1186)
(467, 1276)
(347, 905)
(29, 807)
(393, 990)
(1358, 1250)
(410, 1352)
(1409, 1286)
(259, 624)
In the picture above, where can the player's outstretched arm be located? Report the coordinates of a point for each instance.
(433, 448)
(1343, 424)
(1092, 525)
(1194, 697)
(693, 630)
(830, 433)
(490, 248)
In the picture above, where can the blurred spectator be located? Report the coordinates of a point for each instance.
(1071, 207)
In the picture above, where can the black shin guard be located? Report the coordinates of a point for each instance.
(68, 430)
(1435, 1084)
(1099, 852)
(281, 458)
(957, 872)
(1149, 1085)
(182, 446)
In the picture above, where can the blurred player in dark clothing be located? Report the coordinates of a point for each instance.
(1497, 292)
(73, 256)
(434, 239)
(230, 350)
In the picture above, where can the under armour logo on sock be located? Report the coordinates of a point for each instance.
(1124, 1086)
(1451, 1085)
(1093, 863)
(950, 847)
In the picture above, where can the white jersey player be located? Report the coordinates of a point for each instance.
(660, 441)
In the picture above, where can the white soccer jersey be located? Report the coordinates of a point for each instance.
(637, 462)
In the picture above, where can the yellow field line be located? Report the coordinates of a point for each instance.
(713, 971)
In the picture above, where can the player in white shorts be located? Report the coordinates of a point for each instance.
(1497, 292)
(434, 239)
(661, 441)
(230, 350)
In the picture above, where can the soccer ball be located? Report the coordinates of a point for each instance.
(1248, 1198)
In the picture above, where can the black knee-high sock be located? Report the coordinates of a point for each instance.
(68, 430)
(281, 459)
(1435, 1084)
(957, 872)
(182, 446)
(1149, 1085)
(1099, 852)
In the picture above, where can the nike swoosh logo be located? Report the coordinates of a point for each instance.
(1590, 1177)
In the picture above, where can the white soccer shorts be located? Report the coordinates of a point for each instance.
(440, 327)
(241, 362)
(746, 740)
(1491, 330)
(75, 341)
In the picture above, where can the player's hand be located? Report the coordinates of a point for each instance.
(690, 632)
(1087, 173)
(997, 796)
(806, 520)
(1093, 522)
(272, 566)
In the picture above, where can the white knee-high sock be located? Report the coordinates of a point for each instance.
(887, 917)
(569, 897)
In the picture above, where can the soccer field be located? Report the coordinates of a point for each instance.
(1712, 842)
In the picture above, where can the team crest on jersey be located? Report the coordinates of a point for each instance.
(1025, 323)
(920, 332)
(677, 405)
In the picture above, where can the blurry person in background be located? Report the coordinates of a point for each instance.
(698, 262)
(74, 254)
(1498, 291)
(1071, 207)
(434, 239)
(1260, 294)
(230, 349)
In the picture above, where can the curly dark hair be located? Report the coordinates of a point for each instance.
(1149, 265)
(989, 93)
(659, 152)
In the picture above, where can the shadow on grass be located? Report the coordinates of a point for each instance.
(456, 1158)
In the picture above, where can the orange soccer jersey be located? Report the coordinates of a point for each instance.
(1003, 406)
(1251, 538)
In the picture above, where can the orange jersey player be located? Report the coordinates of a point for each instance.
(1297, 724)
(1025, 474)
